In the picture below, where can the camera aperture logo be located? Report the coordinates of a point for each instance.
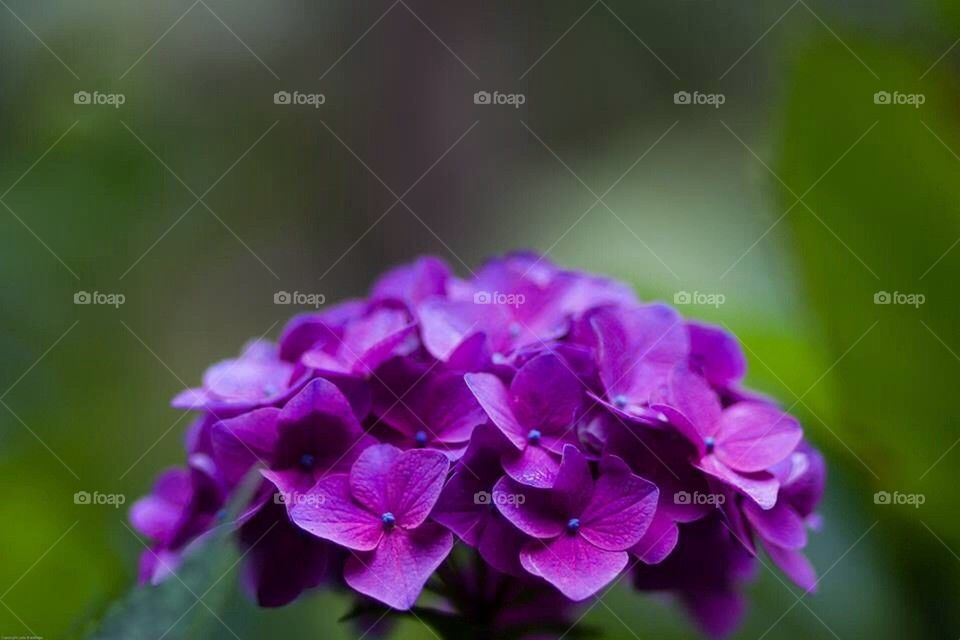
(296, 98)
(109, 299)
(896, 98)
(512, 99)
(299, 298)
(914, 500)
(115, 500)
(485, 497)
(714, 100)
(496, 297)
(697, 297)
(99, 99)
(909, 299)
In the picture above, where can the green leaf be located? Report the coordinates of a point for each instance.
(185, 603)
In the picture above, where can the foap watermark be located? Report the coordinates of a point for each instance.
(110, 299)
(299, 298)
(697, 98)
(697, 297)
(115, 500)
(896, 98)
(96, 98)
(485, 497)
(698, 498)
(897, 297)
(299, 498)
(297, 98)
(496, 297)
(912, 499)
(512, 99)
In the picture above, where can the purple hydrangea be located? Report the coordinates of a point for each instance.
(515, 442)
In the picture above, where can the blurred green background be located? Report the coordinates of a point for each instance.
(798, 199)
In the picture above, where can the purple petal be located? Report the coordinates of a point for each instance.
(533, 466)
(494, 398)
(718, 613)
(416, 479)
(574, 484)
(637, 348)
(659, 541)
(535, 512)
(573, 565)
(328, 511)
(716, 354)
(413, 283)
(780, 525)
(752, 436)
(546, 394)
(760, 487)
(621, 509)
(795, 565)
(370, 477)
(395, 572)
(241, 442)
(499, 544)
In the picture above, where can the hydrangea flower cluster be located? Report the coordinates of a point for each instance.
(563, 433)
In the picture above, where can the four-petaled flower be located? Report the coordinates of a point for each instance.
(583, 527)
(380, 510)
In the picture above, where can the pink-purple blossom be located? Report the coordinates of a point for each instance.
(564, 435)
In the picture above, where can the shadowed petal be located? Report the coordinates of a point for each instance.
(780, 525)
(533, 466)
(494, 398)
(241, 442)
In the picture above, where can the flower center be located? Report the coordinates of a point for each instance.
(573, 525)
(307, 461)
(709, 443)
(620, 401)
(420, 438)
(534, 436)
(269, 389)
(388, 520)
(514, 329)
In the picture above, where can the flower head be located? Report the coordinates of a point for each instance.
(559, 428)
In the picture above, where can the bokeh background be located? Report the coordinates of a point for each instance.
(795, 202)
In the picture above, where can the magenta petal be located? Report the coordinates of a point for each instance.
(780, 525)
(416, 479)
(762, 487)
(718, 613)
(446, 324)
(370, 476)
(795, 565)
(319, 397)
(573, 565)
(499, 544)
(717, 354)
(546, 393)
(395, 572)
(328, 511)
(752, 436)
(535, 512)
(533, 466)
(241, 442)
(621, 508)
(494, 398)
(659, 540)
